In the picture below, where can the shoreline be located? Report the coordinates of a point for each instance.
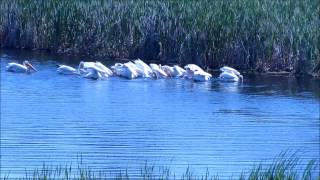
(282, 73)
(281, 167)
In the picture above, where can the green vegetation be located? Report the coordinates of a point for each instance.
(281, 169)
(261, 35)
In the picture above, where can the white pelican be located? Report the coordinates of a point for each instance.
(229, 69)
(84, 65)
(201, 76)
(170, 71)
(67, 70)
(93, 73)
(180, 72)
(85, 68)
(230, 74)
(157, 71)
(196, 73)
(116, 68)
(175, 71)
(134, 67)
(25, 67)
(191, 69)
(143, 68)
(124, 70)
(105, 72)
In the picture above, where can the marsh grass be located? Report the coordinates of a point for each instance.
(282, 168)
(264, 35)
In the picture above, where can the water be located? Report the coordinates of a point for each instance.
(117, 123)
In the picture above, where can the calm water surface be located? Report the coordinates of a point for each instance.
(118, 123)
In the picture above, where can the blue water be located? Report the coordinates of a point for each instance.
(117, 123)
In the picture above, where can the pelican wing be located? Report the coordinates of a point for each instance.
(170, 71)
(179, 71)
(144, 68)
(15, 67)
(63, 69)
(103, 68)
(159, 72)
(228, 76)
(193, 67)
(201, 76)
(230, 70)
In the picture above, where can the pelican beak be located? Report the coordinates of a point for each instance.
(33, 68)
(241, 77)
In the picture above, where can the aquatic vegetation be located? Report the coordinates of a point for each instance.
(261, 35)
(283, 168)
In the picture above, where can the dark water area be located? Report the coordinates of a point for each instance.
(117, 123)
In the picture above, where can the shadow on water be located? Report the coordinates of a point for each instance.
(267, 85)
(281, 85)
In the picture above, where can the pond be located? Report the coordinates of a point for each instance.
(117, 123)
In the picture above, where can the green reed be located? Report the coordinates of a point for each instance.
(283, 167)
(278, 171)
(253, 35)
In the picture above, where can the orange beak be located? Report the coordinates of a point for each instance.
(29, 65)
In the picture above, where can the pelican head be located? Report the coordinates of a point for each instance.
(154, 75)
(28, 65)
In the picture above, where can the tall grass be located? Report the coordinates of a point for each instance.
(247, 34)
(280, 169)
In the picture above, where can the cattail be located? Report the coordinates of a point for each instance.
(244, 34)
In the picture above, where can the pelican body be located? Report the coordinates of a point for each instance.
(134, 69)
(170, 71)
(180, 72)
(157, 71)
(144, 69)
(193, 68)
(230, 74)
(124, 70)
(66, 70)
(173, 71)
(84, 67)
(201, 76)
(25, 67)
(104, 71)
(93, 73)
(196, 73)
(96, 70)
